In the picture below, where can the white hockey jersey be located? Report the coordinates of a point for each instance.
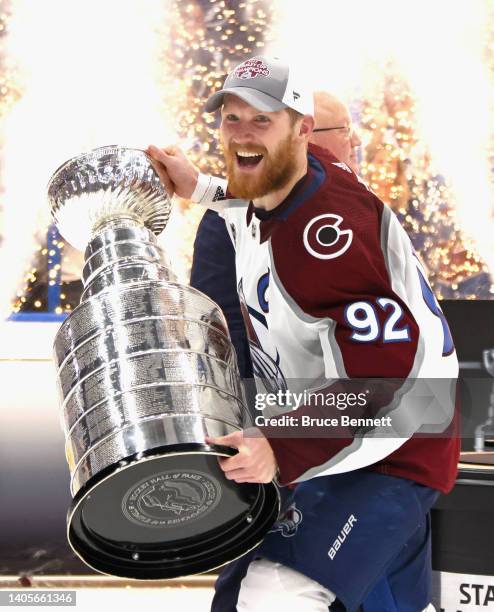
(331, 288)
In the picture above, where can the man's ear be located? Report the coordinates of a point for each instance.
(306, 126)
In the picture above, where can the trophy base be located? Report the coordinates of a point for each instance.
(167, 513)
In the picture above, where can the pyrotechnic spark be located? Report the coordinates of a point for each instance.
(454, 104)
(397, 166)
(346, 49)
(210, 38)
(133, 73)
(90, 78)
(138, 71)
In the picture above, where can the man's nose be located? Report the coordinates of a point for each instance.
(242, 132)
(355, 140)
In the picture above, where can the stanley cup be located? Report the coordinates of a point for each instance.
(146, 371)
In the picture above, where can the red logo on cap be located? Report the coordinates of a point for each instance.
(251, 68)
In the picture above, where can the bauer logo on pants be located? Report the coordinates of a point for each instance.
(347, 527)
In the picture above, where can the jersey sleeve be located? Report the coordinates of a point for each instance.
(357, 278)
(213, 273)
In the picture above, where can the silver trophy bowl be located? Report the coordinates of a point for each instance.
(146, 371)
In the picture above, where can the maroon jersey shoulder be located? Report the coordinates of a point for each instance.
(328, 255)
(333, 236)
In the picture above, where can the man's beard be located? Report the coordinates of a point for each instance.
(278, 169)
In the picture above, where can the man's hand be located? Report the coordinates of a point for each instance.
(254, 462)
(177, 173)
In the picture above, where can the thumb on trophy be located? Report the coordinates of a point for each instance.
(234, 439)
(175, 168)
(162, 173)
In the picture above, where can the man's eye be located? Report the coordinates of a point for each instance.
(262, 119)
(231, 117)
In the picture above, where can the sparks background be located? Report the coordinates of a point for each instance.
(419, 79)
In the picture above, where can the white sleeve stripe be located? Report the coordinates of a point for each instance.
(361, 453)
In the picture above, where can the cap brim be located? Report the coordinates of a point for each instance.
(255, 98)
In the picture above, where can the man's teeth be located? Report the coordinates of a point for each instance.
(248, 154)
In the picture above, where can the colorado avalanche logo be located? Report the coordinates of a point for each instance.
(251, 68)
(324, 238)
(288, 522)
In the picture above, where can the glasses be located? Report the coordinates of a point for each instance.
(343, 127)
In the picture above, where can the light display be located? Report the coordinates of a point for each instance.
(423, 108)
(398, 167)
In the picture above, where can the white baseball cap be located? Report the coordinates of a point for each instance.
(267, 84)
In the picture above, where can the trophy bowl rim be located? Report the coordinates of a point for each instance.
(89, 152)
(268, 502)
(63, 185)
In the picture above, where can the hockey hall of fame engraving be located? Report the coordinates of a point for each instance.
(168, 499)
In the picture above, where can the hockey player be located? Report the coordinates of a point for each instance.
(214, 255)
(331, 289)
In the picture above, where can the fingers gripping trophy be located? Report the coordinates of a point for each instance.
(146, 375)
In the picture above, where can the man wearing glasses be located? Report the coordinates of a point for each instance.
(333, 129)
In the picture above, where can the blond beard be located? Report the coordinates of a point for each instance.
(279, 169)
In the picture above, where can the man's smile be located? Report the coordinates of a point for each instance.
(247, 160)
